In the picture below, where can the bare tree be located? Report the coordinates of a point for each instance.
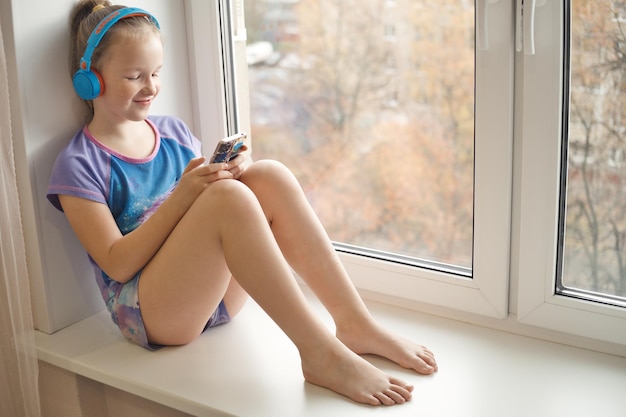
(383, 125)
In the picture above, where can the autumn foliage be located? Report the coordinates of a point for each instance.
(372, 106)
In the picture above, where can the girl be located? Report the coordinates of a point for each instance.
(178, 244)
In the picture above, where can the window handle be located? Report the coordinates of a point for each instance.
(525, 25)
(482, 33)
(239, 30)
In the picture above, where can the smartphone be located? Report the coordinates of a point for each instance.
(228, 148)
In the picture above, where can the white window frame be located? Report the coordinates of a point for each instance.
(541, 118)
(486, 293)
(220, 105)
(207, 75)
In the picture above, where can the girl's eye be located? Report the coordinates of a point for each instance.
(133, 78)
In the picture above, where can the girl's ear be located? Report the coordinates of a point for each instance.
(88, 84)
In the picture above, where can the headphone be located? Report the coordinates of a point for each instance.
(87, 83)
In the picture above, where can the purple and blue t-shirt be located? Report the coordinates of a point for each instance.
(132, 188)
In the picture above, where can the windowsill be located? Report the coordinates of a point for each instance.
(249, 368)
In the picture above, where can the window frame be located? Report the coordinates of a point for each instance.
(216, 40)
(544, 75)
(487, 292)
(208, 64)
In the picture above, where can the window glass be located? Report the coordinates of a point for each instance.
(594, 244)
(371, 104)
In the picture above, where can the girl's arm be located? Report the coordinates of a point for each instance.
(121, 256)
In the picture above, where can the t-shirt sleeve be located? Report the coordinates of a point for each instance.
(80, 172)
(194, 143)
(174, 128)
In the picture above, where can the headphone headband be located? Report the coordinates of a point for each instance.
(105, 24)
(87, 83)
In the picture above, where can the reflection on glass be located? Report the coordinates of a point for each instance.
(594, 257)
(371, 104)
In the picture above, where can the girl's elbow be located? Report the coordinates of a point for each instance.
(119, 274)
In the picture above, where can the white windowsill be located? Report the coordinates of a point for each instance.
(249, 368)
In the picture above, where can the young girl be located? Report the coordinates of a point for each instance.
(178, 244)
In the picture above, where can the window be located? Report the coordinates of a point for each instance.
(572, 206)
(592, 251)
(518, 244)
(390, 32)
(384, 151)
(373, 108)
(214, 31)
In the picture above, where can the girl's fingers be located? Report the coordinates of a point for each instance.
(214, 167)
(194, 163)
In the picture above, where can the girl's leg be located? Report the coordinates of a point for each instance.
(226, 232)
(309, 251)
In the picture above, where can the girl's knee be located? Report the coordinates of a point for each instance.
(225, 188)
(268, 171)
(225, 195)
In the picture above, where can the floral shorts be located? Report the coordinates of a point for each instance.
(126, 314)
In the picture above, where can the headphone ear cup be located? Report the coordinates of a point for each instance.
(88, 84)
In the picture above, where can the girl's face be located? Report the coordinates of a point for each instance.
(130, 73)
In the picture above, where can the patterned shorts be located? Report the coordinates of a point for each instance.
(126, 314)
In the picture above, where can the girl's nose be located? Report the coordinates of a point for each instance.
(151, 85)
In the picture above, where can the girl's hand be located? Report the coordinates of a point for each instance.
(239, 164)
(197, 176)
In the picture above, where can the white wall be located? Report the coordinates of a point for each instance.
(45, 115)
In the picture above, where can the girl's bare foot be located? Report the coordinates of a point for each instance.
(378, 341)
(348, 374)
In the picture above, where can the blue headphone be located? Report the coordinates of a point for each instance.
(87, 83)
